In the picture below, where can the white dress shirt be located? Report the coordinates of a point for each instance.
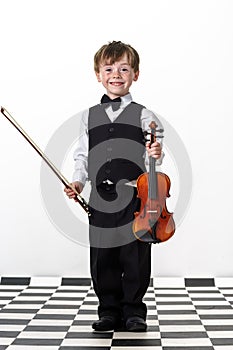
(81, 152)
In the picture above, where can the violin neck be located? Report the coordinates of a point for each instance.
(152, 187)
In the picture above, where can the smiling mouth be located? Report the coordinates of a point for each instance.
(118, 83)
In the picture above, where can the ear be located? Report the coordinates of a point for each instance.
(136, 74)
(98, 77)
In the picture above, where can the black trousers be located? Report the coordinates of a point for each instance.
(120, 264)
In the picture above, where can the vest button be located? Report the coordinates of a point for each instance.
(109, 149)
(107, 171)
(111, 129)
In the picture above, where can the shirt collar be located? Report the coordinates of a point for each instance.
(125, 100)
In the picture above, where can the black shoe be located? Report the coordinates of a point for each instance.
(136, 324)
(105, 323)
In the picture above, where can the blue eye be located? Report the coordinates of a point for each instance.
(124, 70)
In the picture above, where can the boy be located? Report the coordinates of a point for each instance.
(111, 154)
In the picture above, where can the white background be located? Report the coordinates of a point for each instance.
(46, 77)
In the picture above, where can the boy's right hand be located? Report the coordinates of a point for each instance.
(71, 193)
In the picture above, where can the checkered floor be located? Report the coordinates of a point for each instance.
(52, 314)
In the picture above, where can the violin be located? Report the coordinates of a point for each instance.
(153, 223)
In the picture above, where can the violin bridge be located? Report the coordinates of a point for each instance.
(152, 211)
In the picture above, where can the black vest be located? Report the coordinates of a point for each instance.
(115, 149)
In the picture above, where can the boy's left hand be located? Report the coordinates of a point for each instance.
(155, 150)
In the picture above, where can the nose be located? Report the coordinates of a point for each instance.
(116, 73)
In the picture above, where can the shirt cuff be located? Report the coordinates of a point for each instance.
(80, 178)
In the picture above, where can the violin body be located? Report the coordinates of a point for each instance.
(153, 223)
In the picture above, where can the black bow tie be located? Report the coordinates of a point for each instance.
(115, 103)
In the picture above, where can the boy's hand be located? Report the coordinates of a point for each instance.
(155, 150)
(71, 193)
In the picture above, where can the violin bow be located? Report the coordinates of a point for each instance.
(65, 182)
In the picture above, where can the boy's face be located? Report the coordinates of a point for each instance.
(117, 77)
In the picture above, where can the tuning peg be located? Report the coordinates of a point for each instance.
(145, 133)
